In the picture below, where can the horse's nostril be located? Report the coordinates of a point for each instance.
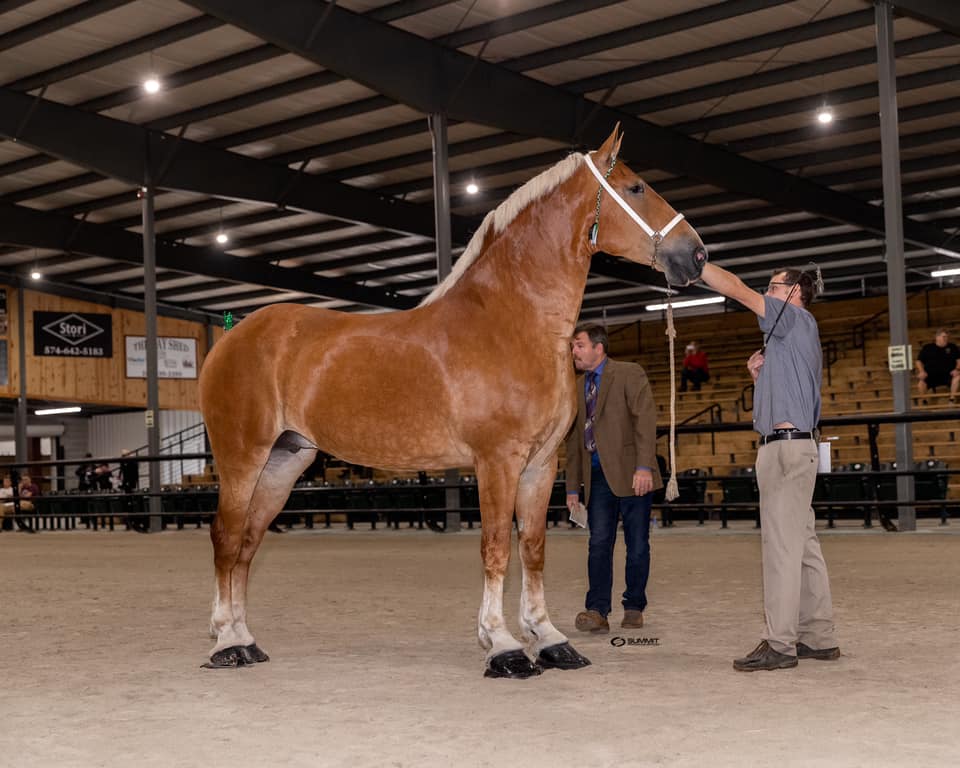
(700, 255)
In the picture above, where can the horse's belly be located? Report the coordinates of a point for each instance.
(385, 444)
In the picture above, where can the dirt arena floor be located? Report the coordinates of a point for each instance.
(375, 661)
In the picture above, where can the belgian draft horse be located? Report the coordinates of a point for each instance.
(478, 374)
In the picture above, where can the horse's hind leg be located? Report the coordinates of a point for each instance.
(250, 498)
(497, 484)
(547, 643)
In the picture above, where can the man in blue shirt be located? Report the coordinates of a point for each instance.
(611, 451)
(787, 371)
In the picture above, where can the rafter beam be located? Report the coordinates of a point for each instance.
(120, 150)
(939, 13)
(28, 227)
(437, 79)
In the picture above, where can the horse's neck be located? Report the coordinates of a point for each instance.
(540, 258)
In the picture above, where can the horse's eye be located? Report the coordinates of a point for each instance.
(636, 189)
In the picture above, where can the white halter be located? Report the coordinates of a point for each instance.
(672, 490)
(655, 235)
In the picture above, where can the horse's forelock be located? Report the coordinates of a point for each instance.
(500, 217)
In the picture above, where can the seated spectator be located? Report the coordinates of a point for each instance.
(938, 365)
(103, 477)
(696, 369)
(129, 471)
(28, 489)
(85, 475)
(6, 492)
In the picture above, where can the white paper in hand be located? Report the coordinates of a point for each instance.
(579, 516)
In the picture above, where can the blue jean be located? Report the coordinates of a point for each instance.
(604, 512)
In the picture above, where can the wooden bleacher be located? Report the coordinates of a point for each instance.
(858, 381)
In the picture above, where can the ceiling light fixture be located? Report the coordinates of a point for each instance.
(53, 411)
(222, 237)
(945, 272)
(824, 115)
(152, 84)
(472, 188)
(687, 303)
(35, 273)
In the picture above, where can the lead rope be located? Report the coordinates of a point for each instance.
(672, 487)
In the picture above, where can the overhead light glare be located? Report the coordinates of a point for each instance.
(151, 84)
(825, 115)
(945, 272)
(223, 238)
(36, 274)
(52, 411)
(472, 188)
(687, 303)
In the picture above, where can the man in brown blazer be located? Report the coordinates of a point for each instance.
(611, 451)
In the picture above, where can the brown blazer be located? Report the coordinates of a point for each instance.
(624, 426)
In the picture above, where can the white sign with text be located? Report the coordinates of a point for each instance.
(176, 357)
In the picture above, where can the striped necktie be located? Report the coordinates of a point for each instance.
(590, 399)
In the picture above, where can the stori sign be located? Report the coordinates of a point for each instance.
(75, 334)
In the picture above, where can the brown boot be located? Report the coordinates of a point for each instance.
(592, 621)
(632, 620)
(823, 654)
(763, 657)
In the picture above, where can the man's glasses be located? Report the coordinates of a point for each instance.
(773, 283)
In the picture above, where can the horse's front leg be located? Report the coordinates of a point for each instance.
(497, 483)
(546, 642)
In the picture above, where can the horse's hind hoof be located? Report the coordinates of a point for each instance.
(514, 664)
(562, 656)
(236, 656)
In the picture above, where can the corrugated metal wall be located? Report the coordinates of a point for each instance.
(112, 434)
(75, 442)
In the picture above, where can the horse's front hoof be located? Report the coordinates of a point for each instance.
(562, 656)
(236, 656)
(513, 664)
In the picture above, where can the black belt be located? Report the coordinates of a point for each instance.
(764, 439)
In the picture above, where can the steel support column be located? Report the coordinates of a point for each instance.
(152, 414)
(896, 276)
(441, 213)
(20, 420)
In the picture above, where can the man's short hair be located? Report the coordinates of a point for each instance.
(596, 333)
(793, 276)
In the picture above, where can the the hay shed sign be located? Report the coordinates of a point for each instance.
(176, 357)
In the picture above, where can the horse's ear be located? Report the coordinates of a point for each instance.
(610, 148)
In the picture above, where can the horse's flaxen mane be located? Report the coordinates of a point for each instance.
(503, 214)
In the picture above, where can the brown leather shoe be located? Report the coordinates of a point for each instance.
(823, 654)
(632, 620)
(592, 621)
(764, 657)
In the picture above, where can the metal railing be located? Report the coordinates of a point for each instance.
(382, 501)
(716, 417)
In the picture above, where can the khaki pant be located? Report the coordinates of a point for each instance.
(796, 587)
(8, 508)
